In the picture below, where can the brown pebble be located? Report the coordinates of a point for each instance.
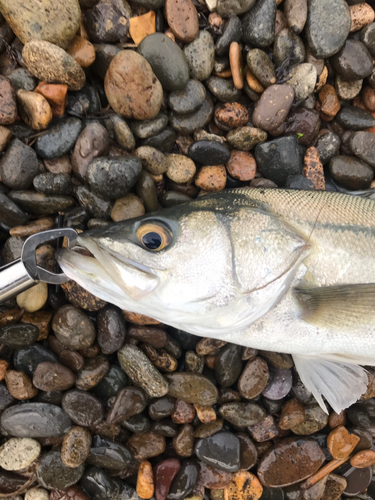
(322, 79)
(146, 445)
(41, 319)
(212, 178)
(60, 165)
(10, 316)
(92, 372)
(80, 297)
(75, 447)
(241, 165)
(3, 368)
(335, 486)
(8, 106)
(182, 19)
(329, 103)
(206, 430)
(361, 15)
(208, 346)
(231, 115)
(340, 443)
(265, 430)
(254, 378)
(151, 335)
(183, 413)
(236, 65)
(5, 135)
(244, 485)
(226, 73)
(128, 207)
(213, 478)
(271, 110)
(56, 95)
(215, 20)
(161, 358)
(368, 97)
(139, 319)
(71, 493)
(363, 459)
(205, 414)
(183, 442)
(142, 26)
(313, 168)
(336, 419)
(145, 480)
(281, 22)
(82, 51)
(34, 109)
(35, 226)
(253, 82)
(50, 376)
(210, 361)
(19, 385)
(293, 413)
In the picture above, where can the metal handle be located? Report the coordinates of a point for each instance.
(14, 279)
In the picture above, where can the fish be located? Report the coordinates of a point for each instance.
(273, 269)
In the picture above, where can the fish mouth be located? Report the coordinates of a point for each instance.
(106, 271)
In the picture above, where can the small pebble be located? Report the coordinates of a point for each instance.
(363, 459)
(75, 447)
(243, 485)
(340, 443)
(19, 453)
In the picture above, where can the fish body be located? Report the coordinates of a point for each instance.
(283, 270)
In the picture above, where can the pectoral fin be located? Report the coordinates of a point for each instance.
(342, 384)
(342, 306)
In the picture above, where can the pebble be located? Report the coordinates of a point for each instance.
(272, 108)
(19, 385)
(49, 183)
(350, 172)
(279, 158)
(287, 46)
(75, 447)
(221, 450)
(211, 178)
(335, 486)
(361, 15)
(278, 359)
(302, 79)
(56, 95)
(187, 124)
(363, 459)
(209, 429)
(148, 128)
(53, 377)
(143, 96)
(367, 37)
(243, 485)
(353, 61)
(355, 118)
(200, 56)
(5, 136)
(231, 32)
(35, 420)
(261, 67)
(73, 328)
(189, 99)
(123, 134)
(241, 165)
(180, 169)
(242, 414)
(19, 453)
(108, 454)
(183, 413)
(340, 443)
(37, 494)
(192, 388)
(292, 414)
(111, 330)
(82, 407)
(329, 103)
(223, 89)
(182, 18)
(246, 138)
(10, 214)
(290, 461)
(209, 153)
(145, 480)
(77, 295)
(99, 485)
(164, 473)
(228, 365)
(253, 82)
(52, 473)
(82, 51)
(49, 20)
(183, 441)
(128, 207)
(153, 160)
(213, 478)
(313, 168)
(258, 24)
(146, 445)
(295, 12)
(51, 64)
(59, 139)
(184, 481)
(363, 146)
(315, 420)
(114, 380)
(228, 8)
(231, 115)
(167, 61)
(17, 336)
(34, 109)
(92, 372)
(33, 299)
(92, 142)
(113, 177)
(327, 27)
(347, 90)
(254, 378)
(143, 373)
(105, 23)
(18, 165)
(236, 65)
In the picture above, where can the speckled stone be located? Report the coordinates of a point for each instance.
(19, 453)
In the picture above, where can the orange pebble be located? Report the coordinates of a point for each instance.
(3, 368)
(253, 82)
(235, 61)
(363, 459)
(244, 485)
(226, 73)
(142, 26)
(145, 480)
(205, 414)
(56, 95)
(340, 443)
(82, 51)
(212, 178)
(313, 169)
(139, 319)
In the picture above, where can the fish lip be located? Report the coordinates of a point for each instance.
(81, 242)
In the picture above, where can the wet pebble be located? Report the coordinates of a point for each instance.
(354, 118)
(292, 414)
(315, 420)
(184, 481)
(221, 450)
(246, 138)
(129, 401)
(279, 384)
(145, 480)
(261, 67)
(8, 104)
(231, 115)
(183, 441)
(254, 378)
(111, 329)
(363, 146)
(231, 32)
(187, 124)
(244, 484)
(164, 473)
(93, 371)
(75, 447)
(288, 44)
(146, 445)
(73, 328)
(53, 377)
(54, 474)
(17, 336)
(341, 443)
(351, 172)
(82, 407)
(353, 61)
(108, 454)
(242, 414)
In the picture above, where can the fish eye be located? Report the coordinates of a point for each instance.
(154, 236)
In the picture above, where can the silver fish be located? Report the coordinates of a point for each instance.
(288, 271)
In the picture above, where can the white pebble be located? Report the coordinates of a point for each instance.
(19, 453)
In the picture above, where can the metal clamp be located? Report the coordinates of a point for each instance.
(24, 273)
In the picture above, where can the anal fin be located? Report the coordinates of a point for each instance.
(341, 383)
(338, 306)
